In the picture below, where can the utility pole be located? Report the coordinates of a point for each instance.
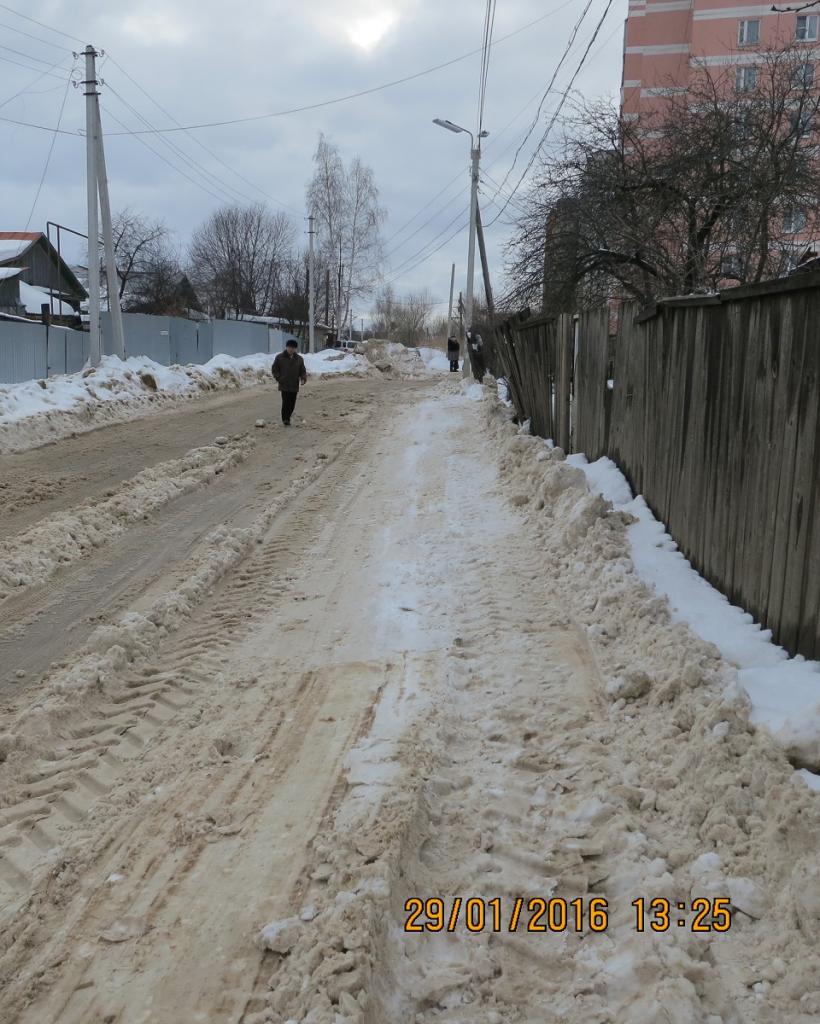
(90, 83)
(340, 326)
(311, 287)
(485, 269)
(97, 193)
(450, 307)
(474, 170)
(111, 276)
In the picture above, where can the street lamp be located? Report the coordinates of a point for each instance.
(475, 154)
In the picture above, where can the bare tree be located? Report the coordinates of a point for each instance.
(139, 244)
(238, 258)
(345, 202)
(405, 320)
(385, 319)
(719, 183)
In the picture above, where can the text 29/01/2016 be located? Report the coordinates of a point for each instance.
(541, 915)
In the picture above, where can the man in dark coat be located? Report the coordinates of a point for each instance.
(289, 372)
(475, 346)
(453, 352)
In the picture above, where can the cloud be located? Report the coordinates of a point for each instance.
(155, 24)
(207, 60)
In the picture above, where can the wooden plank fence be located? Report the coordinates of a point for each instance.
(713, 417)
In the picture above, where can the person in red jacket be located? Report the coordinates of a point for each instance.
(289, 372)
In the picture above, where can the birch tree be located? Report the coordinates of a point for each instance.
(349, 218)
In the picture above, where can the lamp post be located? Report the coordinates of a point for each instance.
(475, 159)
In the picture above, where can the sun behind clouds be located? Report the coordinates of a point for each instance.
(367, 32)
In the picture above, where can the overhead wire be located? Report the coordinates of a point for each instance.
(202, 146)
(354, 95)
(38, 39)
(40, 76)
(564, 57)
(29, 67)
(41, 24)
(227, 192)
(50, 153)
(165, 160)
(558, 109)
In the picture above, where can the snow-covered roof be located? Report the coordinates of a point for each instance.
(11, 248)
(34, 299)
(9, 272)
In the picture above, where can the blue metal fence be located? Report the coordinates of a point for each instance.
(34, 351)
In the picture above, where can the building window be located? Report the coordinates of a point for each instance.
(730, 267)
(802, 123)
(807, 27)
(748, 32)
(804, 76)
(794, 220)
(746, 79)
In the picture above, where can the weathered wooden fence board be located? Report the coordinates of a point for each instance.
(714, 417)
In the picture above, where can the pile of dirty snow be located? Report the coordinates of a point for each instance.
(784, 691)
(395, 359)
(39, 411)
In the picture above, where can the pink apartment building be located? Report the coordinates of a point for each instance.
(666, 38)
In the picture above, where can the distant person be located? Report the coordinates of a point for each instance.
(289, 372)
(453, 352)
(475, 346)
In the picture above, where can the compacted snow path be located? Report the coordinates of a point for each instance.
(425, 670)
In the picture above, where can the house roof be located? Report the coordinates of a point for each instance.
(12, 248)
(8, 272)
(34, 299)
(14, 244)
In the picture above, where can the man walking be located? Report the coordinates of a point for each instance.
(475, 346)
(289, 372)
(453, 353)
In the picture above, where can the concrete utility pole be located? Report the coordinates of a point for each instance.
(474, 170)
(450, 307)
(312, 287)
(90, 83)
(97, 193)
(475, 161)
(485, 267)
(111, 276)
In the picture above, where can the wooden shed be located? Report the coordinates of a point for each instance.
(29, 259)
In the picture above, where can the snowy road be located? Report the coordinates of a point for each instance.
(407, 658)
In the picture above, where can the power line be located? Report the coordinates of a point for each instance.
(29, 67)
(570, 43)
(438, 248)
(403, 268)
(228, 193)
(201, 145)
(165, 160)
(353, 95)
(489, 25)
(27, 56)
(557, 111)
(49, 154)
(34, 21)
(37, 39)
(34, 81)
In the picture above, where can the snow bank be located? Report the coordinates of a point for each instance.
(435, 361)
(391, 357)
(38, 411)
(785, 692)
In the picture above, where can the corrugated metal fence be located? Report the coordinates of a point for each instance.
(34, 351)
(710, 407)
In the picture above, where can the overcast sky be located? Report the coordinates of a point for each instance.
(209, 60)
